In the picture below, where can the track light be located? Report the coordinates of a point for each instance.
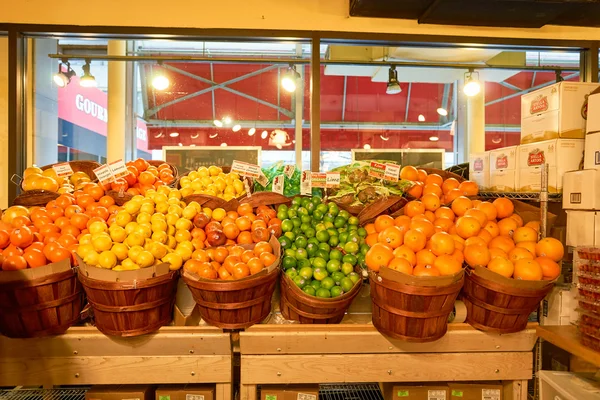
(434, 138)
(442, 111)
(251, 131)
(393, 87)
(421, 118)
(62, 79)
(174, 134)
(218, 123)
(227, 120)
(288, 82)
(264, 134)
(236, 128)
(472, 86)
(87, 79)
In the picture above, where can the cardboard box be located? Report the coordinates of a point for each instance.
(558, 308)
(555, 111)
(185, 392)
(417, 392)
(475, 391)
(503, 169)
(479, 169)
(581, 190)
(120, 392)
(593, 114)
(591, 157)
(561, 155)
(583, 228)
(291, 392)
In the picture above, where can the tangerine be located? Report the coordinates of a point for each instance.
(406, 253)
(468, 188)
(551, 248)
(445, 212)
(525, 234)
(415, 240)
(434, 179)
(518, 253)
(550, 269)
(392, 236)
(476, 255)
(442, 243)
(382, 222)
(401, 265)
(460, 205)
(413, 208)
(528, 270)
(425, 257)
(449, 184)
(426, 270)
(378, 256)
(504, 207)
(409, 172)
(529, 246)
(447, 265)
(503, 243)
(431, 201)
(502, 266)
(489, 209)
(507, 226)
(467, 227)
(432, 189)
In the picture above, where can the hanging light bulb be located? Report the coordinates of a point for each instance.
(227, 120)
(288, 82)
(174, 134)
(421, 118)
(236, 128)
(160, 82)
(393, 87)
(62, 79)
(472, 86)
(264, 134)
(251, 131)
(87, 79)
(367, 146)
(218, 123)
(442, 111)
(434, 138)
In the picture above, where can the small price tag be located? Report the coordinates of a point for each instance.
(332, 179)
(318, 179)
(63, 169)
(305, 183)
(392, 172)
(278, 184)
(104, 174)
(262, 179)
(377, 170)
(118, 169)
(289, 170)
(246, 169)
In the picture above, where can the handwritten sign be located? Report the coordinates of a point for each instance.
(289, 170)
(104, 174)
(63, 169)
(377, 170)
(262, 179)
(332, 179)
(246, 169)
(392, 172)
(306, 183)
(278, 184)
(118, 169)
(318, 179)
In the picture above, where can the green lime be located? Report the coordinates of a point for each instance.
(290, 235)
(288, 262)
(337, 277)
(315, 200)
(315, 283)
(347, 268)
(346, 284)
(353, 237)
(301, 242)
(305, 201)
(323, 293)
(310, 206)
(329, 218)
(333, 208)
(362, 232)
(302, 211)
(325, 246)
(291, 273)
(340, 222)
(299, 281)
(345, 214)
(323, 254)
(294, 246)
(336, 291)
(322, 236)
(321, 274)
(310, 232)
(311, 249)
(297, 232)
(287, 225)
(335, 254)
(306, 272)
(296, 201)
(303, 262)
(297, 222)
(353, 229)
(317, 215)
(283, 207)
(350, 259)
(290, 253)
(332, 231)
(351, 247)
(333, 266)
(282, 215)
(361, 260)
(364, 248)
(328, 224)
(343, 236)
(352, 220)
(322, 208)
(334, 241)
(309, 290)
(354, 277)
(301, 254)
(320, 227)
(305, 226)
(327, 282)
(319, 262)
(285, 242)
(292, 213)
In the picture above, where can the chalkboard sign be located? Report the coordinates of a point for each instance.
(187, 158)
(425, 158)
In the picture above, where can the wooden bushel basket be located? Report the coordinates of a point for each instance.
(299, 306)
(131, 308)
(42, 306)
(499, 304)
(404, 308)
(234, 304)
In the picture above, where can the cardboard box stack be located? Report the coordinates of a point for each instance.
(291, 392)
(186, 392)
(503, 169)
(479, 169)
(120, 392)
(443, 391)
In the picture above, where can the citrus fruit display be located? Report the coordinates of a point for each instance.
(431, 239)
(231, 262)
(445, 190)
(214, 182)
(321, 246)
(142, 177)
(36, 179)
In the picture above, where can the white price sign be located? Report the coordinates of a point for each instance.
(63, 169)
(392, 172)
(305, 183)
(246, 169)
(289, 170)
(262, 179)
(332, 179)
(278, 182)
(118, 169)
(104, 174)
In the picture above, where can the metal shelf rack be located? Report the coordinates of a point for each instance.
(552, 197)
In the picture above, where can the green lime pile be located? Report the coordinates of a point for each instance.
(321, 246)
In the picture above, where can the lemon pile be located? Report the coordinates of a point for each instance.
(36, 179)
(148, 231)
(212, 181)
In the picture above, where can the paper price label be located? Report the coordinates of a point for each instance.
(306, 183)
(104, 174)
(63, 169)
(278, 184)
(246, 169)
(392, 172)
(118, 169)
(262, 179)
(332, 179)
(289, 170)
(436, 395)
(377, 170)
(318, 179)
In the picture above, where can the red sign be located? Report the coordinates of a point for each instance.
(141, 134)
(86, 107)
(501, 162)
(478, 164)
(539, 105)
(536, 157)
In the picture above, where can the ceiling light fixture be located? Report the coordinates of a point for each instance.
(236, 128)
(218, 123)
(180, 144)
(393, 87)
(264, 134)
(421, 118)
(213, 136)
(288, 82)
(367, 146)
(434, 138)
(223, 144)
(251, 131)
(442, 111)
(87, 79)
(174, 134)
(472, 86)
(160, 81)
(227, 120)
(62, 79)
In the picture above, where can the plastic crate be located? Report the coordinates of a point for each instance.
(555, 385)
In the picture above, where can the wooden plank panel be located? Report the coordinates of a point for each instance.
(114, 370)
(88, 341)
(223, 391)
(248, 392)
(567, 338)
(366, 339)
(515, 390)
(270, 369)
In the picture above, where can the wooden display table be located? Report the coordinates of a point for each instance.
(293, 353)
(567, 338)
(85, 356)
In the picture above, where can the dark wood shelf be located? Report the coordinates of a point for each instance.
(567, 338)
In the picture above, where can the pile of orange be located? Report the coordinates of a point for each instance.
(230, 262)
(244, 226)
(432, 186)
(431, 239)
(143, 176)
